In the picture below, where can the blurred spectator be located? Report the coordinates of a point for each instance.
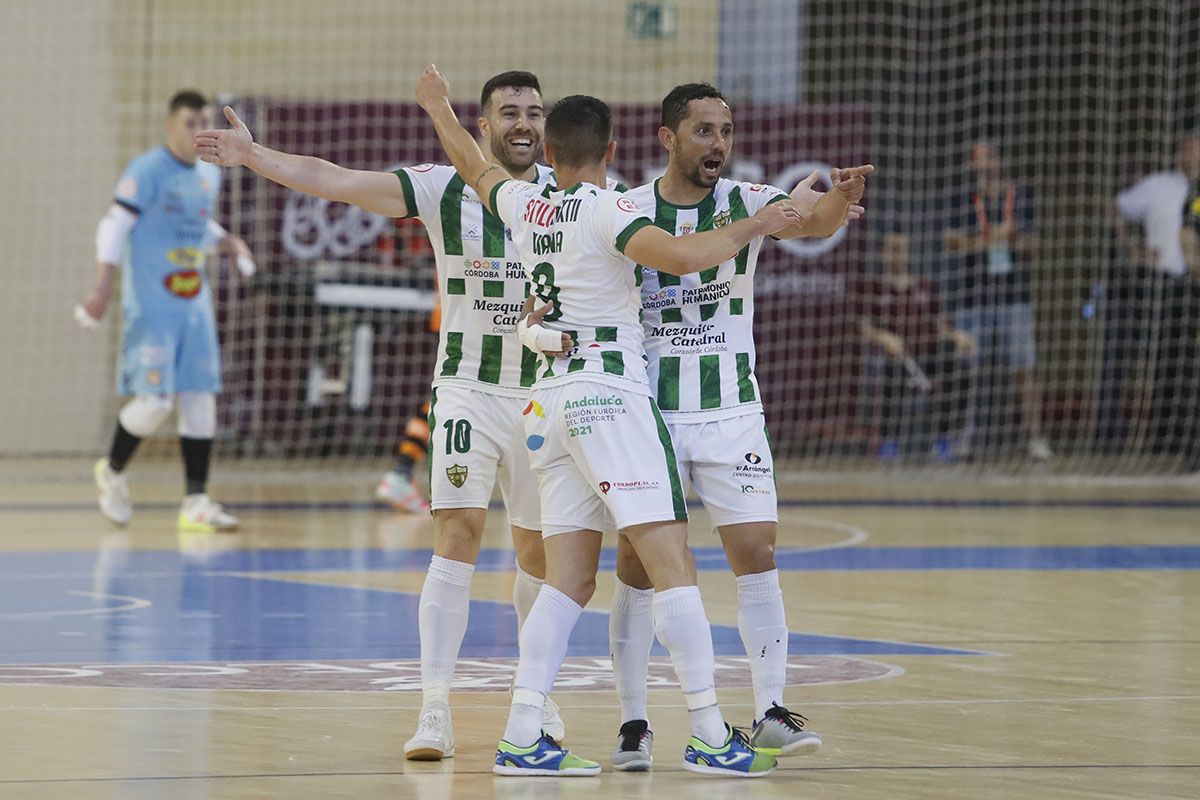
(1150, 304)
(923, 355)
(991, 241)
(1189, 240)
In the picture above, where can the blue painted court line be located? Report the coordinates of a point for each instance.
(122, 615)
(1161, 504)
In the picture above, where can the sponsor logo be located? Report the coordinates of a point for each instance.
(593, 400)
(625, 204)
(748, 489)
(472, 233)
(482, 267)
(534, 408)
(753, 458)
(549, 754)
(689, 336)
(732, 759)
(605, 486)
(535, 442)
(186, 283)
(707, 293)
(543, 214)
(315, 228)
(457, 475)
(154, 377)
(186, 257)
(633, 486)
(660, 299)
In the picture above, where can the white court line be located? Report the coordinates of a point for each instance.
(854, 537)
(131, 604)
(461, 693)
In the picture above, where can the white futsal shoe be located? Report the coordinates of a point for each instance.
(199, 514)
(400, 493)
(634, 743)
(114, 493)
(434, 739)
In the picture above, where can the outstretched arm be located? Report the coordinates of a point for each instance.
(378, 192)
(433, 94)
(829, 210)
(681, 255)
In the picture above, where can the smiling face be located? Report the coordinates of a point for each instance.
(702, 142)
(514, 124)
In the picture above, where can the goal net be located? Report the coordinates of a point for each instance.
(1005, 301)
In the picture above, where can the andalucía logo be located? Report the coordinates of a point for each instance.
(753, 458)
(534, 407)
(605, 486)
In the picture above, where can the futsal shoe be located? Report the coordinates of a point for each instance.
(434, 739)
(736, 758)
(400, 493)
(782, 733)
(545, 757)
(114, 493)
(199, 514)
(633, 747)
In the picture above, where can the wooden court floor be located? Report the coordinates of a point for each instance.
(1035, 639)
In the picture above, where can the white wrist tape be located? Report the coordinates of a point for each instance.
(213, 234)
(112, 233)
(539, 338)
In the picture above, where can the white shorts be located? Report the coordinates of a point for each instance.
(475, 438)
(729, 464)
(603, 457)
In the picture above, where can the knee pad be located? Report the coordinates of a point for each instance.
(197, 415)
(143, 415)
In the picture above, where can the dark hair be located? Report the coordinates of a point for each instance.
(675, 104)
(188, 98)
(513, 79)
(578, 130)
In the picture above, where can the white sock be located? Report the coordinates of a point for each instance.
(442, 622)
(525, 591)
(683, 629)
(765, 636)
(543, 648)
(630, 637)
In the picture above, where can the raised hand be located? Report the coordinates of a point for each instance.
(229, 147)
(851, 182)
(778, 216)
(432, 89)
(805, 196)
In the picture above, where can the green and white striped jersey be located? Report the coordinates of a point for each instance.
(700, 328)
(481, 283)
(574, 239)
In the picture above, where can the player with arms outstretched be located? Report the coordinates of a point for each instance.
(482, 374)
(700, 342)
(598, 444)
(158, 229)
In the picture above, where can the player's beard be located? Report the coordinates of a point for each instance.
(515, 162)
(695, 172)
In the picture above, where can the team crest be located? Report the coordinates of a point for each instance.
(723, 218)
(457, 475)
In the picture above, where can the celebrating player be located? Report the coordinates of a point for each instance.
(699, 338)
(482, 374)
(601, 450)
(159, 226)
